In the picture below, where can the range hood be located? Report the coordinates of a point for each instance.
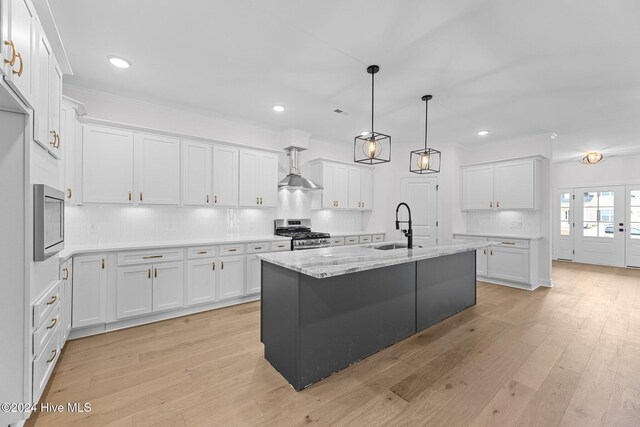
(294, 180)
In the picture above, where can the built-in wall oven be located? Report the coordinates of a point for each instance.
(48, 221)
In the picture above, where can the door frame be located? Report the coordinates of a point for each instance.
(557, 237)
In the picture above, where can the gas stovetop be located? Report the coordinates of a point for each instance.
(301, 235)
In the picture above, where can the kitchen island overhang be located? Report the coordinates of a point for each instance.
(324, 309)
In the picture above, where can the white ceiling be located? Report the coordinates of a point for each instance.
(517, 68)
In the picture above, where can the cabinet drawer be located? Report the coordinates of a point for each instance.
(281, 246)
(378, 237)
(48, 302)
(353, 240)
(43, 366)
(254, 248)
(365, 239)
(231, 249)
(512, 243)
(337, 241)
(201, 252)
(143, 257)
(50, 328)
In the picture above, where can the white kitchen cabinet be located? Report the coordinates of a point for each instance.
(477, 187)
(196, 173)
(55, 100)
(157, 169)
(66, 276)
(254, 274)
(168, 286)
(134, 291)
(334, 177)
(514, 184)
(19, 47)
(69, 131)
(231, 277)
(201, 281)
(42, 132)
(107, 165)
(89, 290)
(482, 257)
(360, 189)
(510, 264)
(225, 176)
(258, 185)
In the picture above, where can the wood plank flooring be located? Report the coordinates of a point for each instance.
(567, 356)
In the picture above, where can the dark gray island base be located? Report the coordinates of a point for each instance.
(312, 327)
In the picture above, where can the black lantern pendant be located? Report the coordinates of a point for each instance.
(373, 147)
(425, 160)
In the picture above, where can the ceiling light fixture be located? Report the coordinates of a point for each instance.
(483, 132)
(279, 108)
(427, 160)
(374, 146)
(118, 61)
(592, 158)
(364, 133)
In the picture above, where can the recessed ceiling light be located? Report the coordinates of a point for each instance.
(365, 133)
(119, 62)
(279, 108)
(592, 158)
(483, 132)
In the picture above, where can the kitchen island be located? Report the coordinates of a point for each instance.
(325, 309)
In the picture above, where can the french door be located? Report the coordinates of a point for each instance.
(633, 226)
(564, 225)
(599, 232)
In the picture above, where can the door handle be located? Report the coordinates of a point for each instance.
(19, 72)
(149, 274)
(222, 265)
(141, 196)
(66, 273)
(13, 53)
(214, 266)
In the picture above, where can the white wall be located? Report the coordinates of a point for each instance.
(613, 171)
(116, 223)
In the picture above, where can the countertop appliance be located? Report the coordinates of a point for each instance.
(301, 235)
(48, 221)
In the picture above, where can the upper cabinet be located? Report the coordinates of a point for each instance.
(69, 131)
(503, 185)
(225, 176)
(157, 170)
(19, 47)
(360, 188)
(196, 173)
(47, 98)
(344, 187)
(258, 179)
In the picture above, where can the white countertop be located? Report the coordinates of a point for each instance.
(501, 236)
(339, 260)
(128, 246)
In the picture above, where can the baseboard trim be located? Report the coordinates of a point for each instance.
(522, 286)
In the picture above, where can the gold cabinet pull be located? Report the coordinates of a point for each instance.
(490, 204)
(215, 199)
(260, 200)
(207, 198)
(222, 265)
(141, 196)
(13, 53)
(54, 353)
(257, 248)
(491, 251)
(103, 263)
(202, 252)
(155, 272)
(129, 195)
(53, 132)
(149, 274)
(497, 204)
(151, 256)
(52, 300)
(58, 138)
(257, 200)
(214, 266)
(19, 72)
(68, 193)
(231, 250)
(485, 251)
(54, 322)
(508, 243)
(66, 273)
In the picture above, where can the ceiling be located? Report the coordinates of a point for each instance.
(516, 68)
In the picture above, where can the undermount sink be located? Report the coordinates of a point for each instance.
(394, 246)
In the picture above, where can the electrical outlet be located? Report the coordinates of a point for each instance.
(93, 228)
(171, 226)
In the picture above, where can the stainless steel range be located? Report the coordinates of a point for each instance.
(301, 235)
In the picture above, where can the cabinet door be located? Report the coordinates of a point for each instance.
(225, 176)
(510, 264)
(481, 261)
(168, 286)
(231, 277)
(201, 281)
(157, 170)
(248, 178)
(21, 32)
(89, 290)
(328, 195)
(514, 184)
(340, 186)
(254, 272)
(196, 174)
(41, 128)
(66, 275)
(268, 179)
(55, 99)
(133, 291)
(355, 199)
(477, 187)
(366, 189)
(69, 128)
(107, 165)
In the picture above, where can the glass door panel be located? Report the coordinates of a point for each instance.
(563, 238)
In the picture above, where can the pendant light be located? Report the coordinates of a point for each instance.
(372, 147)
(425, 160)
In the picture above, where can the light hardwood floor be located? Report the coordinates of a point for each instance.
(569, 355)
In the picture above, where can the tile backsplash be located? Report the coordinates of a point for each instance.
(512, 223)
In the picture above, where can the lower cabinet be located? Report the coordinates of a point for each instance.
(511, 264)
(66, 275)
(231, 277)
(201, 281)
(253, 274)
(89, 290)
(150, 288)
(481, 261)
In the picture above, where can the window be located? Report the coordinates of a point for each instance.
(598, 214)
(634, 204)
(565, 214)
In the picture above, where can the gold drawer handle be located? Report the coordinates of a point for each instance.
(202, 252)
(508, 243)
(53, 299)
(19, 72)
(151, 256)
(53, 356)
(257, 248)
(231, 250)
(207, 198)
(13, 53)
(66, 273)
(68, 193)
(54, 322)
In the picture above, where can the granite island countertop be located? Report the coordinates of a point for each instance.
(339, 260)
